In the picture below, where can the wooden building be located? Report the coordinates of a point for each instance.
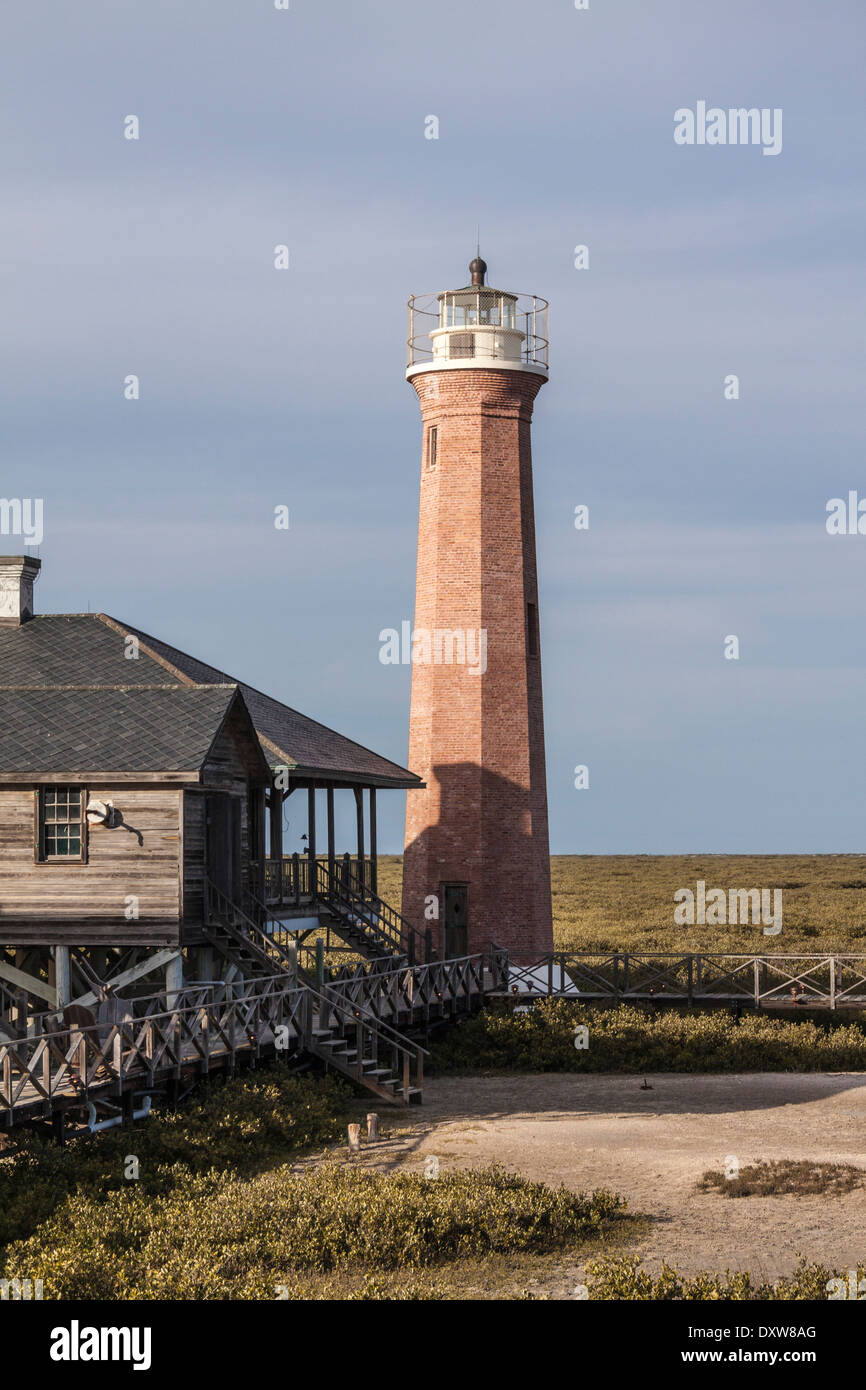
(141, 813)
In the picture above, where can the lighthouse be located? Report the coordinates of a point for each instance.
(476, 866)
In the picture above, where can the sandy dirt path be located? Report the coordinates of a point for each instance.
(652, 1147)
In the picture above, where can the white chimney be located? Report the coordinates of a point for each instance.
(17, 575)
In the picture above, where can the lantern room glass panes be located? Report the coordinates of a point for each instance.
(468, 308)
(61, 824)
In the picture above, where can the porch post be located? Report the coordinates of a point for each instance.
(373, 864)
(276, 838)
(21, 958)
(311, 838)
(261, 794)
(359, 815)
(173, 980)
(331, 845)
(204, 963)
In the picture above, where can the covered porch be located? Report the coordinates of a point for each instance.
(293, 880)
(323, 888)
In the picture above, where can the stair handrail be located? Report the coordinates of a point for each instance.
(324, 992)
(406, 1048)
(290, 958)
(359, 1015)
(390, 925)
(248, 937)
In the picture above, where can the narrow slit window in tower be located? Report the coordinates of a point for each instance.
(532, 628)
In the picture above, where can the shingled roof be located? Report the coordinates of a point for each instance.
(88, 650)
(134, 730)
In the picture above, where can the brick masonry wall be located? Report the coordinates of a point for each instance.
(478, 740)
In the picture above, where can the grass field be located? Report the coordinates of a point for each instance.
(243, 1192)
(626, 902)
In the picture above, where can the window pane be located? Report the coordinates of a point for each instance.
(61, 822)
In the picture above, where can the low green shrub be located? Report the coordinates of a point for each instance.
(622, 1278)
(236, 1125)
(630, 1038)
(218, 1236)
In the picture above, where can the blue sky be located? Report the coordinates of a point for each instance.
(261, 388)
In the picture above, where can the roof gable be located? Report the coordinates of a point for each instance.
(291, 738)
(74, 730)
(92, 651)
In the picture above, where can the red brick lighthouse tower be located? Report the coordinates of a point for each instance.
(477, 851)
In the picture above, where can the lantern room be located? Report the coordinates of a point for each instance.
(477, 326)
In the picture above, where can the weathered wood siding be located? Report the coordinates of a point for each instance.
(232, 765)
(232, 762)
(157, 855)
(85, 903)
(193, 855)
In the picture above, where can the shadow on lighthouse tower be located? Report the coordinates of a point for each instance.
(477, 842)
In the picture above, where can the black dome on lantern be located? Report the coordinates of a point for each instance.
(478, 270)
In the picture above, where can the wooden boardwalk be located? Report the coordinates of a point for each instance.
(822, 981)
(351, 1027)
(362, 1025)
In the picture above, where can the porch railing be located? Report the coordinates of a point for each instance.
(287, 880)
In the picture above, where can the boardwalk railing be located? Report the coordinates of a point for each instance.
(828, 981)
(443, 987)
(350, 1022)
(136, 1007)
(65, 1066)
(67, 1063)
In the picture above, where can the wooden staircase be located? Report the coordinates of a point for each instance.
(346, 1037)
(366, 923)
(369, 1052)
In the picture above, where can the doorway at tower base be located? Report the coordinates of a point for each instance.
(476, 868)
